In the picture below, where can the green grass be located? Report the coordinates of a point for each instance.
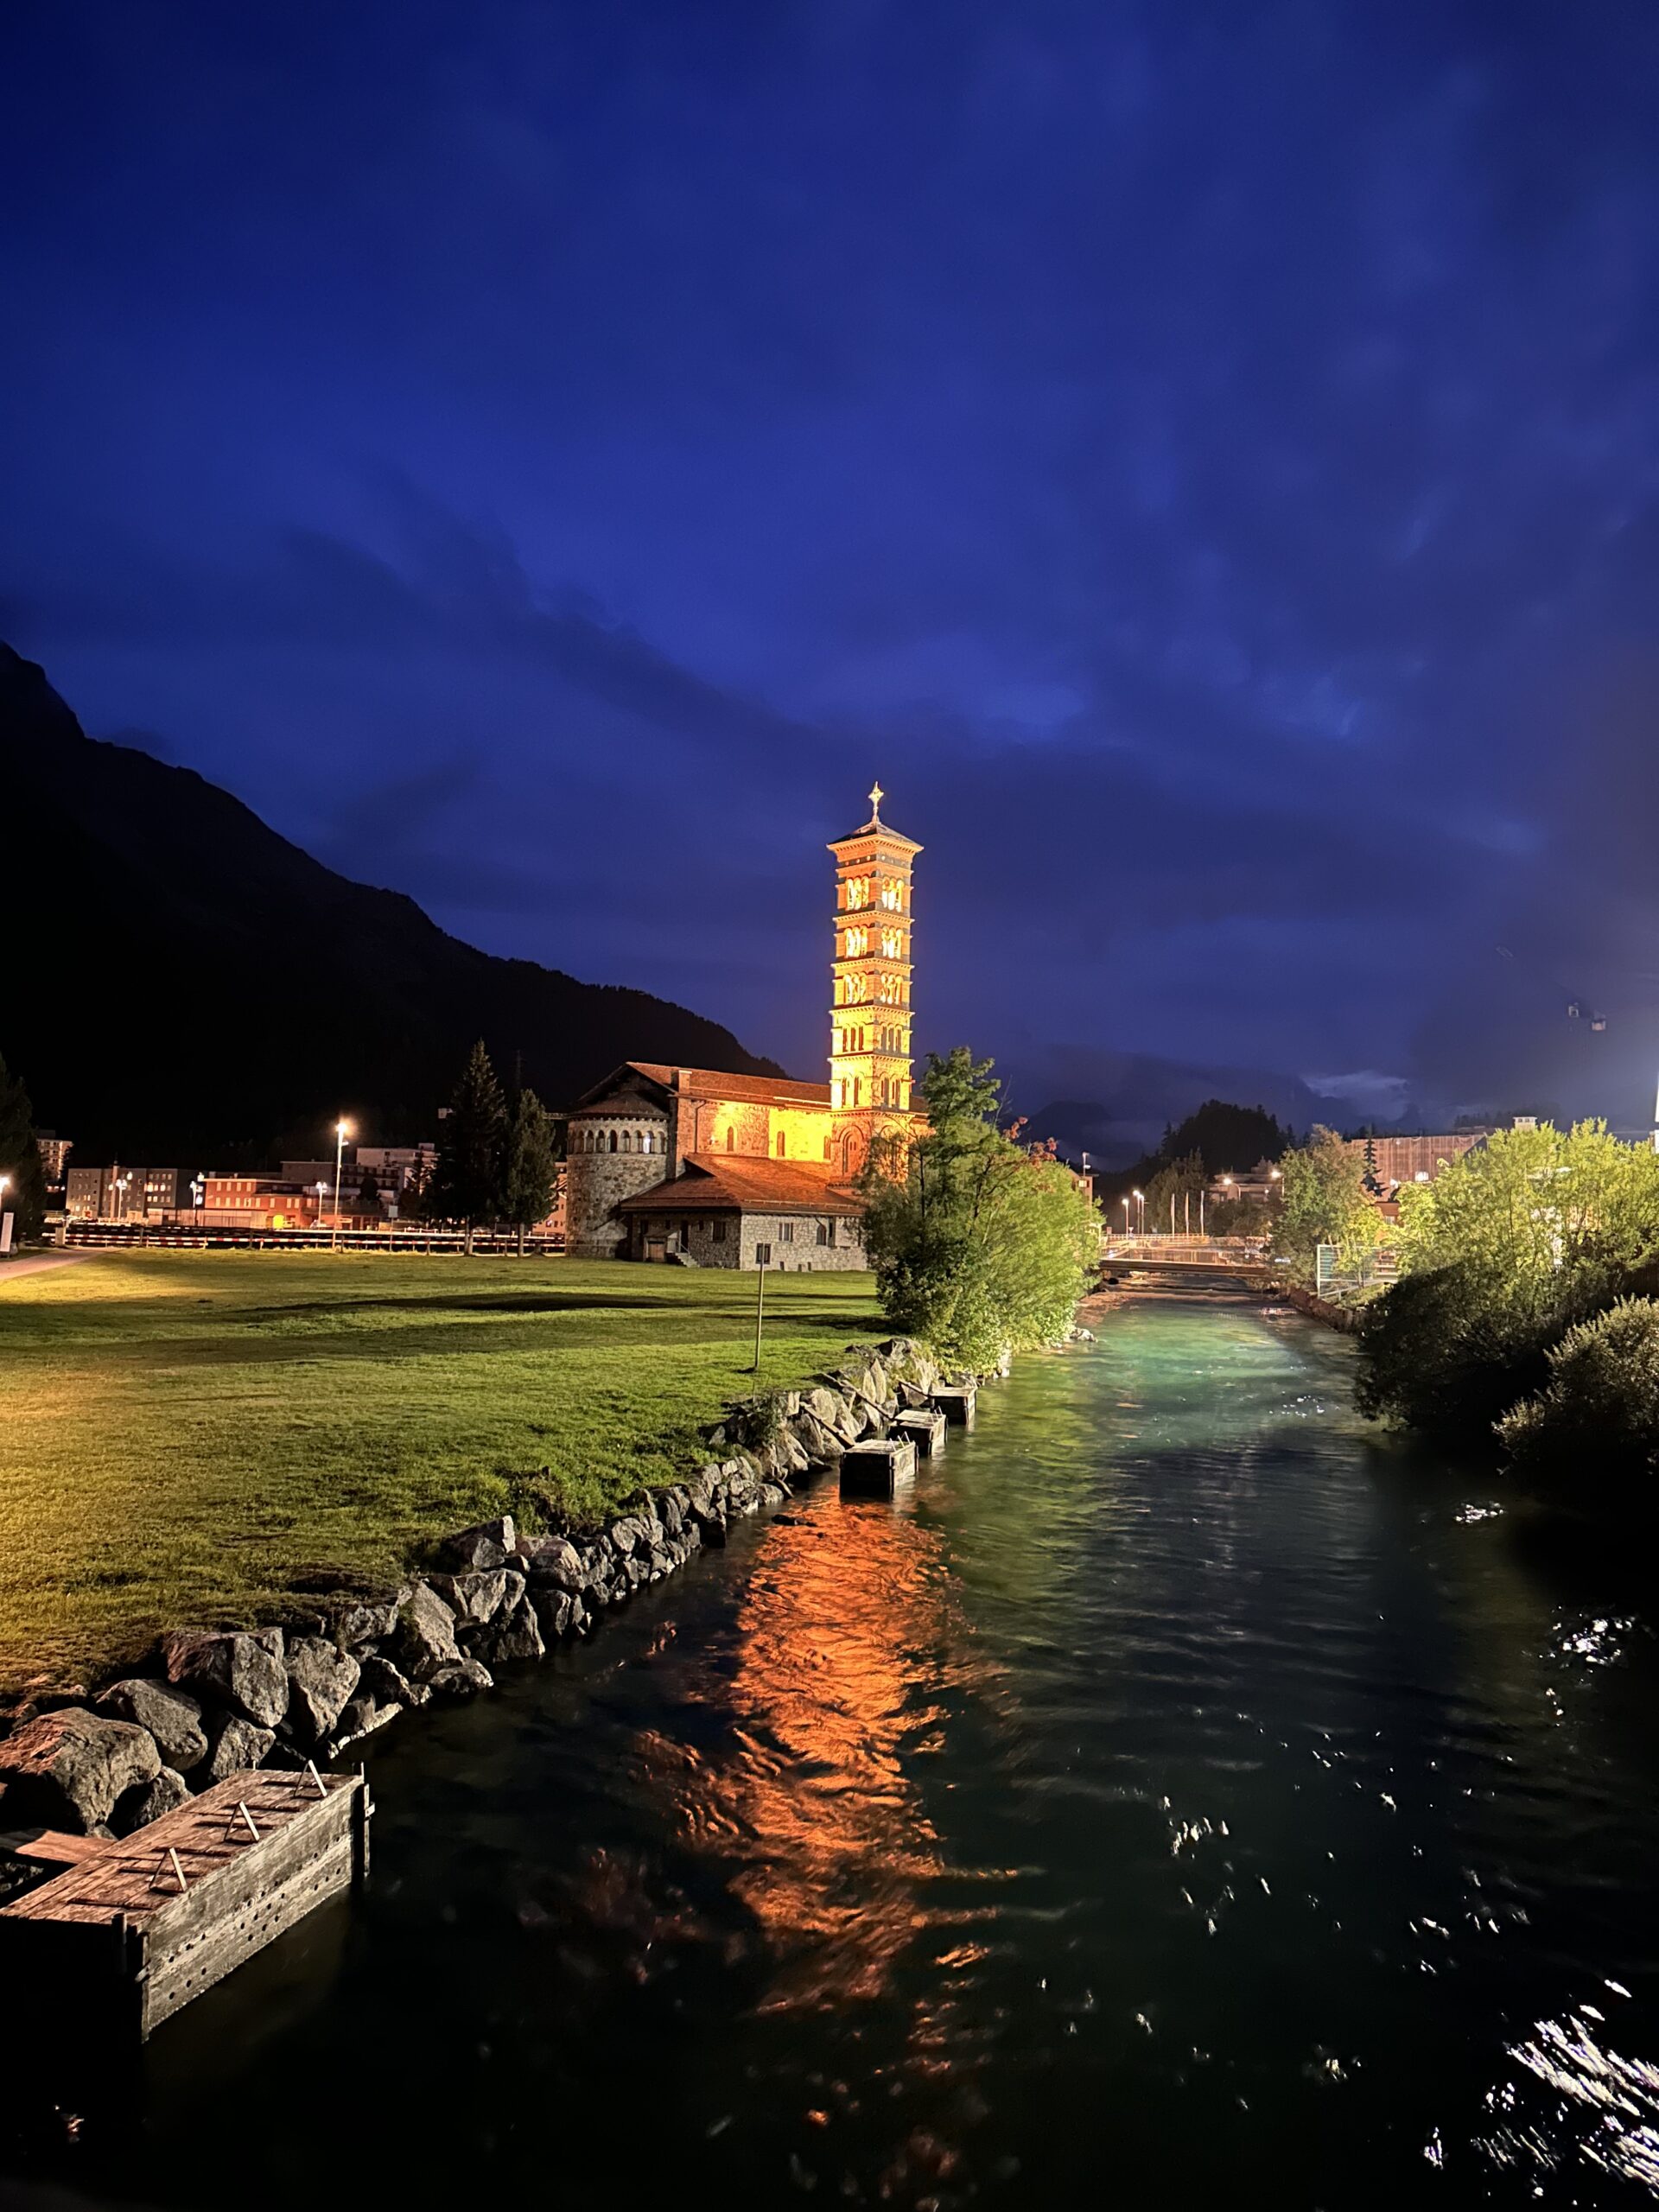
(183, 1434)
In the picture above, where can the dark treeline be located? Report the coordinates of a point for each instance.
(1224, 1138)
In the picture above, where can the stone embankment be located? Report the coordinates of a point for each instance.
(351, 1656)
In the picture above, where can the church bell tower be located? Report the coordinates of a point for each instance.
(870, 1016)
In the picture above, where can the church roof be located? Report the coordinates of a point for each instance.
(727, 1182)
(711, 1083)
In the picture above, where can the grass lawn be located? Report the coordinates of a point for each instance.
(182, 1433)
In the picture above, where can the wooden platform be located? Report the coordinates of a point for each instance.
(924, 1429)
(139, 1927)
(876, 1467)
(957, 1401)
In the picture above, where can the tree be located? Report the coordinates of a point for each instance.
(368, 1192)
(532, 1166)
(1226, 1138)
(20, 1158)
(1537, 1217)
(1323, 1203)
(469, 1184)
(980, 1247)
(1172, 1195)
(1512, 1246)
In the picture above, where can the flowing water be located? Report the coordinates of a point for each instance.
(1181, 1798)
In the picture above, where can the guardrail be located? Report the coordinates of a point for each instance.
(408, 1236)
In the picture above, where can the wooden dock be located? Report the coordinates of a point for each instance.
(134, 1929)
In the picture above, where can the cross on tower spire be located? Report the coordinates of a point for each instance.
(876, 797)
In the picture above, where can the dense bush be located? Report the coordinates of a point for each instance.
(1512, 1245)
(979, 1246)
(1593, 1429)
(1436, 1353)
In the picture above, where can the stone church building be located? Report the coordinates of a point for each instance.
(737, 1171)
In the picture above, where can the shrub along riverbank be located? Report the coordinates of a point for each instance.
(186, 1435)
(1522, 1310)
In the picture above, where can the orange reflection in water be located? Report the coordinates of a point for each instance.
(848, 1638)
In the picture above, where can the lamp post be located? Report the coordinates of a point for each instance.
(1140, 1213)
(1126, 1216)
(5, 1218)
(323, 1193)
(1277, 1175)
(342, 1130)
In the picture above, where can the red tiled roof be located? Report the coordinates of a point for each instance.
(709, 1083)
(734, 1182)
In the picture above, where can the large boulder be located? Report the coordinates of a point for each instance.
(172, 1716)
(389, 1685)
(558, 1613)
(237, 1744)
(555, 1559)
(321, 1679)
(426, 1634)
(516, 1635)
(66, 1770)
(149, 1801)
(461, 1678)
(361, 1617)
(475, 1551)
(244, 1671)
(631, 1532)
(480, 1597)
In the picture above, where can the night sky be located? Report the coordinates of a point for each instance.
(1204, 458)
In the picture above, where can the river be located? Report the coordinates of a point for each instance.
(1183, 1797)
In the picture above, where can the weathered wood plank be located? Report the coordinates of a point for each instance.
(55, 1848)
(117, 1932)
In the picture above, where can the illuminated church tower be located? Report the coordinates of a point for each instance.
(869, 1020)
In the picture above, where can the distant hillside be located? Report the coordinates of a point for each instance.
(182, 985)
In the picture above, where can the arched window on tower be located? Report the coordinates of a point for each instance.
(782, 1146)
(612, 1139)
(731, 1136)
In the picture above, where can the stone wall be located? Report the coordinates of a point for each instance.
(727, 1240)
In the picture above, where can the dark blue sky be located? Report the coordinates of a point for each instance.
(1203, 458)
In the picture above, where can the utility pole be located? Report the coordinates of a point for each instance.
(760, 1311)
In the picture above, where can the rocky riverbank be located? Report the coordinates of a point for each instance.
(354, 1655)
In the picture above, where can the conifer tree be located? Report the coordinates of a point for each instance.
(532, 1165)
(20, 1158)
(470, 1183)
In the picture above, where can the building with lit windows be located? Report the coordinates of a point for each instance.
(669, 1163)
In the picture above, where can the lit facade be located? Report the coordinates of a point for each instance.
(870, 1012)
(662, 1162)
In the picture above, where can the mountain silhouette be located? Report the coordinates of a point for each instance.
(185, 987)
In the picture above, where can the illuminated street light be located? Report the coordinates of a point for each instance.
(342, 1130)
(323, 1193)
(1140, 1213)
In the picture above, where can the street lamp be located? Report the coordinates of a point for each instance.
(323, 1193)
(5, 1241)
(1140, 1213)
(342, 1130)
(1277, 1175)
(1126, 1217)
